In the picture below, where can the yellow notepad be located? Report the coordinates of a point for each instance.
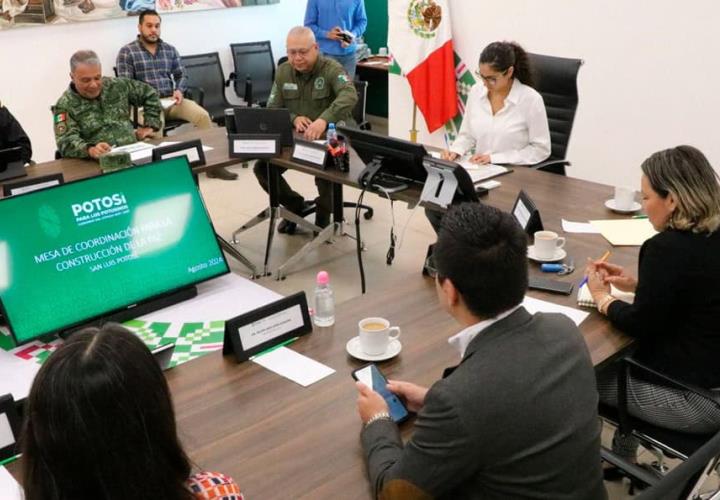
(585, 299)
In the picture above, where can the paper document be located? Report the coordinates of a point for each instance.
(536, 305)
(137, 150)
(16, 376)
(578, 227)
(294, 366)
(167, 102)
(9, 488)
(625, 232)
(479, 173)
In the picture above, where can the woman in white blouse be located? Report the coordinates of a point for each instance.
(505, 119)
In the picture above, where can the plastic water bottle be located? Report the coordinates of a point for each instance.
(324, 301)
(332, 136)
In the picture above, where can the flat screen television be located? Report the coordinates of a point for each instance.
(78, 252)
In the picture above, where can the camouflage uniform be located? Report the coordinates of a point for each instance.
(81, 123)
(324, 92)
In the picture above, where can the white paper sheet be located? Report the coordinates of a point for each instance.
(167, 102)
(16, 375)
(579, 227)
(625, 232)
(294, 366)
(9, 488)
(537, 305)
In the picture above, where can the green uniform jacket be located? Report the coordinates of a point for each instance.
(81, 123)
(325, 92)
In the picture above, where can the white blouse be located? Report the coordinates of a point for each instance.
(518, 133)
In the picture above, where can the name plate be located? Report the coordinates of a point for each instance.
(248, 146)
(526, 213)
(268, 326)
(312, 154)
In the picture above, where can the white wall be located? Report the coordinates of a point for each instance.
(34, 61)
(650, 79)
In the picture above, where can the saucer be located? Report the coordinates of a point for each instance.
(611, 205)
(354, 350)
(560, 254)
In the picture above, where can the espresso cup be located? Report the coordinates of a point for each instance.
(624, 198)
(375, 335)
(547, 244)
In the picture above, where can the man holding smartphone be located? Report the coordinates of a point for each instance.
(517, 418)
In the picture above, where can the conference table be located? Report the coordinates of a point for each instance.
(280, 440)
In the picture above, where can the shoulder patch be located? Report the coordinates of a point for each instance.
(60, 117)
(343, 78)
(319, 83)
(60, 128)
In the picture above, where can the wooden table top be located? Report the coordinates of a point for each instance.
(380, 63)
(280, 440)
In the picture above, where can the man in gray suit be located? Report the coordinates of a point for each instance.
(517, 418)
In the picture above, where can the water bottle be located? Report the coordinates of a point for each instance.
(332, 136)
(324, 301)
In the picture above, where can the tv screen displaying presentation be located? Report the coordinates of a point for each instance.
(75, 252)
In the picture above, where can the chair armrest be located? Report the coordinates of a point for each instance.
(550, 163)
(635, 365)
(196, 94)
(631, 469)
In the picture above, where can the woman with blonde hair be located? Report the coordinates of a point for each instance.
(676, 313)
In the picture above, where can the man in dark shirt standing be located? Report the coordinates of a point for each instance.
(12, 134)
(157, 63)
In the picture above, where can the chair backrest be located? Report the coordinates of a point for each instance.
(283, 59)
(359, 109)
(686, 479)
(556, 81)
(254, 60)
(205, 72)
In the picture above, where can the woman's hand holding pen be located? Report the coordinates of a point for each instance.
(615, 275)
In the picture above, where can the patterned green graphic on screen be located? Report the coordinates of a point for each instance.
(77, 251)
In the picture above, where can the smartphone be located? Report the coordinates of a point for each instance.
(550, 285)
(370, 376)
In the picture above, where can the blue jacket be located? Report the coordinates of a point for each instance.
(322, 16)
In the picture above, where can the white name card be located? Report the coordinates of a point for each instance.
(310, 154)
(254, 146)
(191, 153)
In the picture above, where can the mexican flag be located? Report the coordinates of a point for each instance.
(420, 41)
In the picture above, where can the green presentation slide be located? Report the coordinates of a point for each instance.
(76, 251)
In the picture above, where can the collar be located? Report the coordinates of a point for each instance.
(461, 341)
(513, 96)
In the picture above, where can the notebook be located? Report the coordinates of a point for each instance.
(585, 299)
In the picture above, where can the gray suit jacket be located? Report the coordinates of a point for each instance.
(516, 419)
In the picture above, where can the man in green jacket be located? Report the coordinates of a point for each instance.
(317, 91)
(93, 114)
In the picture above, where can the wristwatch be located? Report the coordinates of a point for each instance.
(383, 415)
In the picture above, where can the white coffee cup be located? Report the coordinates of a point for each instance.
(547, 244)
(624, 198)
(375, 335)
(382, 51)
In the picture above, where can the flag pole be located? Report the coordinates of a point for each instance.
(413, 130)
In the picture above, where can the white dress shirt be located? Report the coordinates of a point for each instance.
(517, 134)
(461, 340)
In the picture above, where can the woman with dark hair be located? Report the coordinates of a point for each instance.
(100, 426)
(505, 119)
(676, 311)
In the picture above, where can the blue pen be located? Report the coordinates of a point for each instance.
(602, 259)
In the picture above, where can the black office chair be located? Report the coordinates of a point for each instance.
(682, 482)
(254, 71)
(556, 81)
(360, 108)
(205, 76)
(660, 441)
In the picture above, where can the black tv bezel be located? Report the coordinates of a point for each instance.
(130, 306)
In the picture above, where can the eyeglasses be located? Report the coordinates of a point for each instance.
(298, 52)
(490, 80)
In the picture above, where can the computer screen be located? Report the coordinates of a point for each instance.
(401, 159)
(75, 252)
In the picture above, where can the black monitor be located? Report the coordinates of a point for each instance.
(396, 158)
(265, 121)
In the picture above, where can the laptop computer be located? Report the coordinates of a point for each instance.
(11, 164)
(265, 121)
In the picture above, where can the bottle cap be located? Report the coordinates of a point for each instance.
(323, 278)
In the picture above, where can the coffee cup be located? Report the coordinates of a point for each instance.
(382, 51)
(624, 198)
(375, 335)
(547, 244)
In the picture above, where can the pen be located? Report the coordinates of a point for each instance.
(10, 460)
(602, 259)
(271, 349)
(639, 216)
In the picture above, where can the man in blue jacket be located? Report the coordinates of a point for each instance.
(337, 25)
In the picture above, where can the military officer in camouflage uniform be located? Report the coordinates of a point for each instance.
(317, 91)
(93, 115)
